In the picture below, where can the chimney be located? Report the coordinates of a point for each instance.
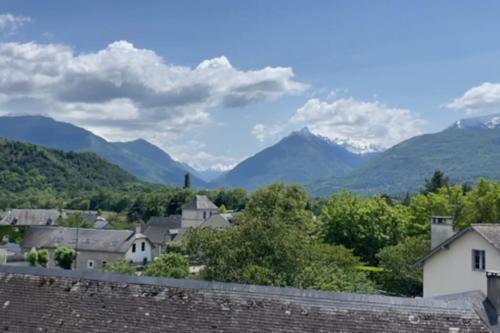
(493, 289)
(139, 227)
(441, 229)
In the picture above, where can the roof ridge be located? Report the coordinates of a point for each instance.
(304, 294)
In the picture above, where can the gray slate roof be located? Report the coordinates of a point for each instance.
(489, 231)
(30, 217)
(200, 202)
(88, 239)
(216, 221)
(47, 300)
(158, 228)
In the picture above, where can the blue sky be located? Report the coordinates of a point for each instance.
(370, 73)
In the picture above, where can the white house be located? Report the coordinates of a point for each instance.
(95, 247)
(459, 263)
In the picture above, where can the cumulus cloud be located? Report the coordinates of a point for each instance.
(195, 153)
(9, 23)
(358, 123)
(479, 99)
(122, 89)
(263, 132)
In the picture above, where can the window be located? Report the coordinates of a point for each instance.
(90, 264)
(478, 260)
(133, 248)
(204, 215)
(144, 261)
(143, 246)
(104, 263)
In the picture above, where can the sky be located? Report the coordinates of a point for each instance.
(213, 82)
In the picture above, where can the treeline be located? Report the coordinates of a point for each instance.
(361, 244)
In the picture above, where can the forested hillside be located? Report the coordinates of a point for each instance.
(27, 168)
(140, 158)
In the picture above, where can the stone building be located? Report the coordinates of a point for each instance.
(95, 247)
(197, 211)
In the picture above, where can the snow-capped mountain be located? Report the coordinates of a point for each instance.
(488, 121)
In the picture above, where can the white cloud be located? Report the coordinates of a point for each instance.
(123, 91)
(9, 23)
(359, 123)
(264, 132)
(479, 99)
(195, 154)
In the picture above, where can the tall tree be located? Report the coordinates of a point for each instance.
(438, 180)
(187, 180)
(363, 225)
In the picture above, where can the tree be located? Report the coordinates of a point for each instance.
(274, 244)
(64, 256)
(333, 268)
(363, 225)
(40, 257)
(76, 220)
(187, 180)
(222, 209)
(43, 258)
(172, 265)
(439, 179)
(120, 267)
(33, 257)
(399, 275)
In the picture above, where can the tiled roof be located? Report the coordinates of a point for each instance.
(200, 202)
(216, 221)
(88, 239)
(489, 231)
(45, 300)
(30, 217)
(158, 228)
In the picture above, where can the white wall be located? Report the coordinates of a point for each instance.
(139, 255)
(450, 270)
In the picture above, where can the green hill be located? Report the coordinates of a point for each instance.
(25, 167)
(464, 153)
(141, 158)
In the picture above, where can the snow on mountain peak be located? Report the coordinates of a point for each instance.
(490, 121)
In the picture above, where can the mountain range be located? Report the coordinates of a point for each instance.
(141, 158)
(465, 151)
(468, 149)
(301, 157)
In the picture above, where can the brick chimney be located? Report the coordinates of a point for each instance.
(441, 229)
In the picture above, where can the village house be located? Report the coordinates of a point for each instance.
(161, 230)
(458, 261)
(29, 217)
(95, 247)
(195, 212)
(76, 301)
(41, 217)
(198, 213)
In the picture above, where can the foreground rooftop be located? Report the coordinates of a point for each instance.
(52, 300)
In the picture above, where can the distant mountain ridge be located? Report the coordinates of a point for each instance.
(26, 168)
(139, 157)
(301, 157)
(465, 151)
